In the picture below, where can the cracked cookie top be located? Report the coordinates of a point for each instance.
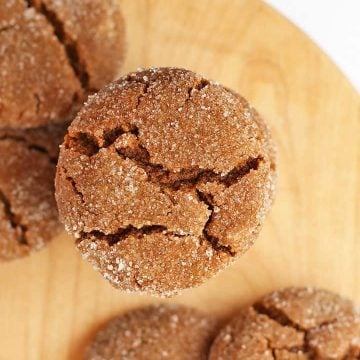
(51, 57)
(28, 214)
(164, 178)
(155, 332)
(295, 323)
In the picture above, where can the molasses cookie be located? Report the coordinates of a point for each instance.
(295, 323)
(52, 55)
(164, 178)
(28, 214)
(156, 332)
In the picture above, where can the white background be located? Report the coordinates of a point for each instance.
(334, 25)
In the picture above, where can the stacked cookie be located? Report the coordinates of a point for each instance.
(294, 323)
(51, 58)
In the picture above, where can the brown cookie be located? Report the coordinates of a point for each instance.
(155, 332)
(28, 214)
(52, 55)
(295, 323)
(164, 178)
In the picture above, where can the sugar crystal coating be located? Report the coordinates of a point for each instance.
(51, 57)
(294, 323)
(154, 177)
(28, 214)
(155, 332)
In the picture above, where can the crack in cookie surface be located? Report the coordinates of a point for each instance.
(277, 315)
(185, 180)
(309, 348)
(74, 187)
(299, 323)
(87, 144)
(37, 103)
(30, 145)
(213, 240)
(127, 231)
(70, 46)
(15, 224)
(7, 28)
(283, 320)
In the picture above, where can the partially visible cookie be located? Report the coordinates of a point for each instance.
(52, 55)
(294, 323)
(155, 332)
(28, 214)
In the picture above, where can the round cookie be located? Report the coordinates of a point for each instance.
(295, 323)
(164, 178)
(28, 214)
(51, 57)
(155, 332)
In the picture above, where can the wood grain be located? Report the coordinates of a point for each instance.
(52, 302)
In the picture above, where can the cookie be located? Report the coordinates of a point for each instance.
(164, 178)
(295, 323)
(156, 332)
(52, 55)
(28, 214)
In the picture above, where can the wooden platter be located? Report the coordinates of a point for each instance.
(52, 302)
